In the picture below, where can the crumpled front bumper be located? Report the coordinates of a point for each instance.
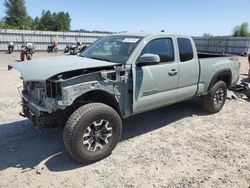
(30, 109)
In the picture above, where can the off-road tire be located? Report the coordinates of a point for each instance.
(208, 100)
(79, 122)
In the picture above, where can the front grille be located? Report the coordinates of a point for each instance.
(38, 91)
(53, 89)
(35, 91)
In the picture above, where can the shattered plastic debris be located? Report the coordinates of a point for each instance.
(232, 95)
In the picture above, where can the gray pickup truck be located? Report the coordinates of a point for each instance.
(116, 77)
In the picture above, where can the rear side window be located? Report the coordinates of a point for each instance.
(162, 47)
(185, 49)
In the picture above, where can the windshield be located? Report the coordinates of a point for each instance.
(115, 49)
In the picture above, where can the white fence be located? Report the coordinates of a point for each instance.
(41, 39)
(231, 45)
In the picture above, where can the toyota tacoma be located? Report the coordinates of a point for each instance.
(116, 77)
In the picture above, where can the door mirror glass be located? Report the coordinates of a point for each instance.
(149, 59)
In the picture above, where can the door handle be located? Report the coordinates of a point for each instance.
(173, 72)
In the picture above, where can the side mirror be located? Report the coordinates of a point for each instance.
(149, 59)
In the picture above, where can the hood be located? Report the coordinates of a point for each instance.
(44, 68)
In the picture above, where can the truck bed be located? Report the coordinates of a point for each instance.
(212, 64)
(212, 55)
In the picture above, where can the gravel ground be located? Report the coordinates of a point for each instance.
(175, 146)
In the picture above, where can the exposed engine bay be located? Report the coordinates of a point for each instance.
(50, 101)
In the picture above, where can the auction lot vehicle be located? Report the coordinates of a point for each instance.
(52, 48)
(77, 48)
(11, 47)
(116, 77)
(27, 51)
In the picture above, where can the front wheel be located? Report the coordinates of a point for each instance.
(29, 56)
(214, 101)
(92, 132)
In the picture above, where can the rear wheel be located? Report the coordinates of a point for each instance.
(92, 132)
(214, 101)
(23, 56)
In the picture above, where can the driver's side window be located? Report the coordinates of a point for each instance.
(162, 47)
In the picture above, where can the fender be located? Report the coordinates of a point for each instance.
(99, 95)
(223, 72)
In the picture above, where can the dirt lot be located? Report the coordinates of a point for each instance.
(175, 146)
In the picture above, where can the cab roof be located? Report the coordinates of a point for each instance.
(142, 34)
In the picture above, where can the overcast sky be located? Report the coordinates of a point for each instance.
(191, 17)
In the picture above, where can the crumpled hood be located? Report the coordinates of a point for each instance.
(44, 68)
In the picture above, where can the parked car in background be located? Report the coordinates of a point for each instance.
(116, 77)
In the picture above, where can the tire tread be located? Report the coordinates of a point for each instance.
(86, 111)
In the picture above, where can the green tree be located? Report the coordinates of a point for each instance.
(35, 24)
(241, 30)
(46, 22)
(2, 25)
(52, 21)
(17, 18)
(16, 15)
(61, 21)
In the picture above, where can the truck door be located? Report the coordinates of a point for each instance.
(156, 85)
(189, 68)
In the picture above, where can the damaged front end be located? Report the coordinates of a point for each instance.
(39, 100)
(51, 102)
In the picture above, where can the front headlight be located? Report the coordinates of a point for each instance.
(35, 91)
